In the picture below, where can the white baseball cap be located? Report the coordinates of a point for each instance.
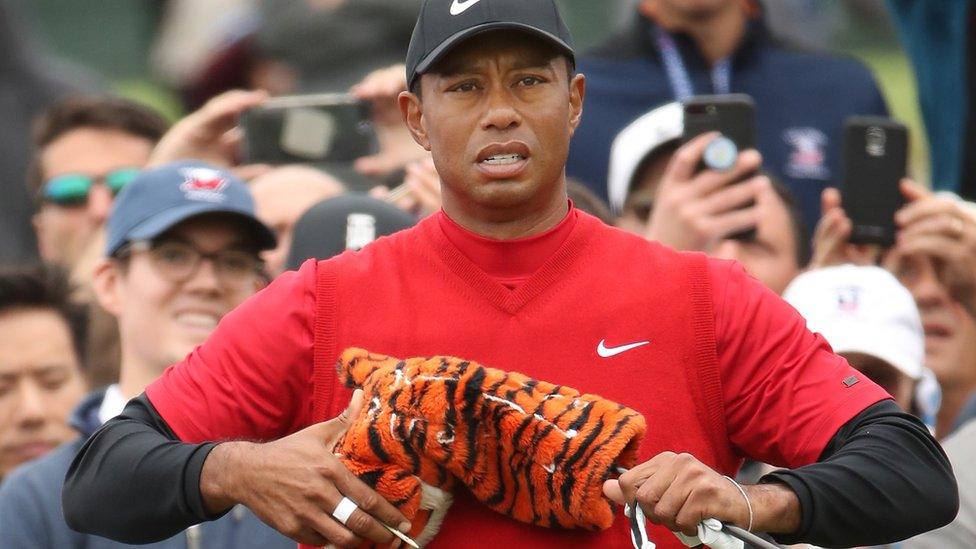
(636, 142)
(862, 310)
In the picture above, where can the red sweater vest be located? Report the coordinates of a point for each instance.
(415, 294)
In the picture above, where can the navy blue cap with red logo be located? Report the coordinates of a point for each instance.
(160, 198)
(444, 24)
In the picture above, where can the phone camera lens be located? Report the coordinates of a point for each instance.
(876, 140)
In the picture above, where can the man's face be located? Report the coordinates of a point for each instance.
(640, 199)
(498, 115)
(281, 198)
(771, 255)
(162, 317)
(64, 231)
(40, 383)
(950, 333)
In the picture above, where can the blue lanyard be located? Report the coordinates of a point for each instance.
(678, 73)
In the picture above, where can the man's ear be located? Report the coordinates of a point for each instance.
(107, 285)
(577, 93)
(413, 115)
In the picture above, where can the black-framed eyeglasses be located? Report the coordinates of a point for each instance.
(179, 261)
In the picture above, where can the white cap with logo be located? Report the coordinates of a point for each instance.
(635, 143)
(862, 310)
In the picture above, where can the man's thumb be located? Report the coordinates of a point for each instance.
(353, 408)
(335, 427)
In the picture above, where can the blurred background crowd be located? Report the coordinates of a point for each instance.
(94, 92)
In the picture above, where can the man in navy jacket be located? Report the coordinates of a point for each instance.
(677, 48)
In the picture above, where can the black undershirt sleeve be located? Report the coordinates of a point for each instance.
(134, 481)
(882, 478)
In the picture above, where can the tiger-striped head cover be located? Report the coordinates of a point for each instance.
(529, 449)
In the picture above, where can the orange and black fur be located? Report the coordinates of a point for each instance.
(532, 450)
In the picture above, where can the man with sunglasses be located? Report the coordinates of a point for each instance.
(183, 250)
(85, 151)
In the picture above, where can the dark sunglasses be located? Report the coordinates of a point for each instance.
(73, 189)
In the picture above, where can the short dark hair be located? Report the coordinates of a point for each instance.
(106, 113)
(44, 287)
(801, 233)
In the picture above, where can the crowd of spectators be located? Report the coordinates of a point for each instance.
(133, 273)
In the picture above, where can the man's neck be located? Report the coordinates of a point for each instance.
(953, 399)
(717, 34)
(508, 223)
(135, 375)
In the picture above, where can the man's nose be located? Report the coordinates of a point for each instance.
(205, 279)
(500, 113)
(32, 410)
(927, 289)
(99, 204)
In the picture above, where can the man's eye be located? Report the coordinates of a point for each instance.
(237, 262)
(530, 81)
(173, 255)
(54, 381)
(906, 271)
(465, 87)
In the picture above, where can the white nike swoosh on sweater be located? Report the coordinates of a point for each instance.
(607, 352)
(458, 7)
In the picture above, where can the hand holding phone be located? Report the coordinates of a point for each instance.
(695, 208)
(733, 117)
(875, 161)
(205, 134)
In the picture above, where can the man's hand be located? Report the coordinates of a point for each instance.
(831, 244)
(294, 484)
(678, 492)
(941, 228)
(397, 147)
(695, 208)
(211, 134)
(420, 192)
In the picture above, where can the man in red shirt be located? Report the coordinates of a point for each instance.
(508, 274)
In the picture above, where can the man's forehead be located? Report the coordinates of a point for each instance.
(521, 49)
(210, 228)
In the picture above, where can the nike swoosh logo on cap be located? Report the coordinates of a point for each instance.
(458, 7)
(606, 352)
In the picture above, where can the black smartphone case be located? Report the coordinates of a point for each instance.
(875, 161)
(733, 115)
(319, 134)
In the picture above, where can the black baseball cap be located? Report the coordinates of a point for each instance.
(444, 24)
(345, 222)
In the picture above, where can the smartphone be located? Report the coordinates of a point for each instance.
(318, 129)
(732, 115)
(875, 159)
